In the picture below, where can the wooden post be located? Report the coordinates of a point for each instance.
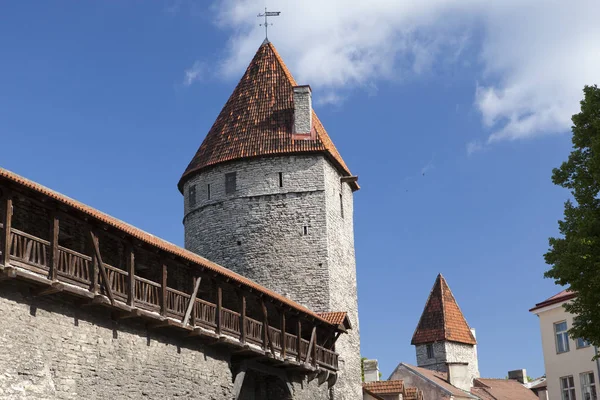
(311, 344)
(54, 246)
(267, 334)
(107, 287)
(163, 291)
(283, 334)
(219, 307)
(243, 319)
(299, 340)
(7, 221)
(315, 348)
(189, 312)
(130, 275)
(95, 285)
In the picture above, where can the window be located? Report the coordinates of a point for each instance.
(208, 191)
(281, 179)
(230, 183)
(562, 337)
(192, 196)
(429, 351)
(588, 386)
(567, 388)
(341, 206)
(305, 230)
(582, 343)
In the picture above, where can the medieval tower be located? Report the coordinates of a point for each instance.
(268, 196)
(443, 339)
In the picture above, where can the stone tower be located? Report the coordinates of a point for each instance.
(443, 339)
(268, 196)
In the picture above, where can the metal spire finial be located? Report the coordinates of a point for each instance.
(266, 24)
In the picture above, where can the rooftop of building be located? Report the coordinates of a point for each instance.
(561, 297)
(442, 319)
(257, 120)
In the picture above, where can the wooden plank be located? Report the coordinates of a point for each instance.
(54, 231)
(55, 287)
(163, 291)
(243, 319)
(102, 269)
(219, 307)
(190, 306)
(7, 221)
(283, 334)
(130, 275)
(311, 344)
(315, 347)
(266, 331)
(299, 341)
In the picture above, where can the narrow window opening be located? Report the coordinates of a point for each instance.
(230, 183)
(281, 179)
(341, 206)
(305, 230)
(192, 196)
(429, 351)
(208, 191)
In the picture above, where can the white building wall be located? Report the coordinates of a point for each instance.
(573, 362)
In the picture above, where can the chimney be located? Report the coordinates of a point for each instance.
(458, 375)
(371, 370)
(518, 374)
(302, 109)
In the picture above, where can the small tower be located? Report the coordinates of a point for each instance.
(268, 196)
(443, 339)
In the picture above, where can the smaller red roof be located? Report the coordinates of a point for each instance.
(336, 318)
(501, 389)
(384, 387)
(560, 297)
(442, 319)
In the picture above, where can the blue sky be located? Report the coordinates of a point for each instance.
(452, 116)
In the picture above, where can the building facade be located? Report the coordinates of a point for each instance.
(268, 195)
(570, 371)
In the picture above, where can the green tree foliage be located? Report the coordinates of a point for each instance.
(575, 257)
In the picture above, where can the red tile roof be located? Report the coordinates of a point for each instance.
(336, 318)
(561, 297)
(384, 387)
(439, 379)
(257, 120)
(151, 239)
(501, 389)
(442, 319)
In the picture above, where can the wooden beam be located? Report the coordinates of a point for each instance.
(190, 306)
(243, 319)
(219, 307)
(163, 291)
(299, 340)
(7, 222)
(130, 275)
(337, 336)
(55, 287)
(8, 273)
(282, 334)
(311, 344)
(267, 332)
(54, 231)
(102, 269)
(315, 347)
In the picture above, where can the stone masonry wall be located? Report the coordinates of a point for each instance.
(341, 263)
(52, 349)
(444, 352)
(258, 232)
(291, 239)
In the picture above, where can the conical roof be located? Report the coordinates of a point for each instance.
(257, 120)
(442, 319)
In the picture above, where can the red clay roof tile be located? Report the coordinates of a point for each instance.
(384, 387)
(257, 120)
(442, 319)
(501, 389)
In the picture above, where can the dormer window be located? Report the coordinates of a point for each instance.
(429, 351)
(192, 196)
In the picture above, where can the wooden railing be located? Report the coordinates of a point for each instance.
(74, 265)
(79, 269)
(29, 249)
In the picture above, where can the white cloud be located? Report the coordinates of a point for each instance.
(474, 147)
(194, 73)
(535, 55)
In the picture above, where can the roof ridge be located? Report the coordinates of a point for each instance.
(439, 279)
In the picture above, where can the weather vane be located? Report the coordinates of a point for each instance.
(266, 24)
